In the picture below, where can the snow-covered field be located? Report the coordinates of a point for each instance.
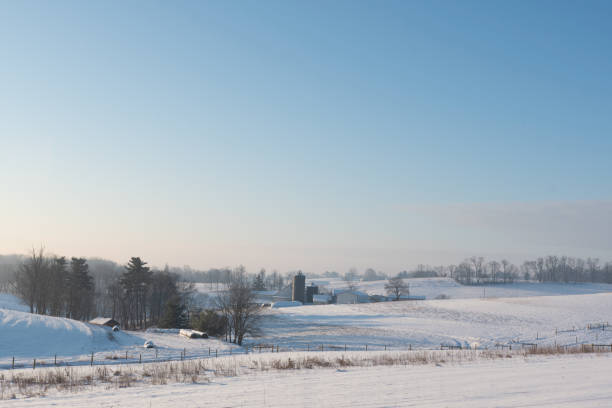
(469, 322)
(566, 381)
(430, 323)
(433, 287)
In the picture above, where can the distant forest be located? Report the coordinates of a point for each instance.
(140, 296)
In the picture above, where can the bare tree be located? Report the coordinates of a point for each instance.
(351, 279)
(31, 279)
(237, 304)
(397, 287)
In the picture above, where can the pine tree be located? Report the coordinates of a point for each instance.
(135, 281)
(175, 315)
(259, 283)
(80, 289)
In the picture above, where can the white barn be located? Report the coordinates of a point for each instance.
(347, 297)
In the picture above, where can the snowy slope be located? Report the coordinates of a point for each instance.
(12, 302)
(430, 323)
(24, 335)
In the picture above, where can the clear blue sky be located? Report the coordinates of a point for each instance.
(313, 135)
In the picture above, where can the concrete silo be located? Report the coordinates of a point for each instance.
(299, 288)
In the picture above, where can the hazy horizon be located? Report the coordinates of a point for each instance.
(314, 136)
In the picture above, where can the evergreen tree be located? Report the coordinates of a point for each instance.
(57, 286)
(135, 281)
(259, 283)
(175, 315)
(80, 290)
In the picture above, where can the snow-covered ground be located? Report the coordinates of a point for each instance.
(430, 323)
(433, 287)
(397, 325)
(26, 336)
(12, 302)
(560, 382)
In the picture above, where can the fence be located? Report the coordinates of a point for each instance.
(135, 357)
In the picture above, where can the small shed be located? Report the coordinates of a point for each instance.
(104, 321)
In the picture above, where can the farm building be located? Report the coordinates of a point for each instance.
(321, 299)
(347, 297)
(104, 321)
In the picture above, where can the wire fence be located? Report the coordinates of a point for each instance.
(154, 355)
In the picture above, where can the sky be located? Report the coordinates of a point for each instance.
(306, 135)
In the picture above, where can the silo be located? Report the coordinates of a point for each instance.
(299, 287)
(310, 292)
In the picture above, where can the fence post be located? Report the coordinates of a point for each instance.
(140, 358)
(385, 347)
(126, 354)
(215, 353)
(366, 347)
(34, 365)
(55, 360)
(91, 362)
(209, 351)
(155, 354)
(13, 366)
(410, 347)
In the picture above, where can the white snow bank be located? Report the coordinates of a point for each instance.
(25, 334)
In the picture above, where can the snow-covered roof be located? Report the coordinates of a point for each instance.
(354, 292)
(103, 321)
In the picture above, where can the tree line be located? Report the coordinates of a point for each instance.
(477, 270)
(134, 294)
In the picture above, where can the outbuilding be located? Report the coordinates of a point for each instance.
(104, 321)
(348, 297)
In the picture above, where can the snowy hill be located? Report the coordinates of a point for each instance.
(24, 334)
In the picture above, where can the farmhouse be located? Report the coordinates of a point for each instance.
(104, 321)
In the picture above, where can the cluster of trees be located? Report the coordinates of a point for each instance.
(55, 286)
(133, 294)
(478, 271)
(219, 278)
(567, 269)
